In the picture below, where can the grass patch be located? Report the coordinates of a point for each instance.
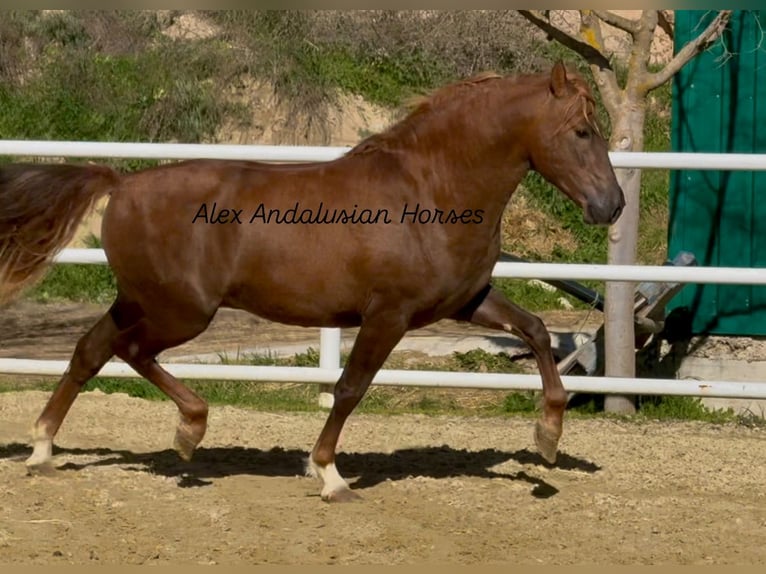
(138, 388)
(520, 402)
(534, 298)
(308, 358)
(75, 282)
(74, 81)
(381, 79)
(481, 361)
(153, 96)
(682, 408)
(384, 56)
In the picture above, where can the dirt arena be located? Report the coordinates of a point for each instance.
(435, 489)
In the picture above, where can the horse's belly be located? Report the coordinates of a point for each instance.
(327, 297)
(296, 305)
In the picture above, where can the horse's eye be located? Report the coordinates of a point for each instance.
(582, 133)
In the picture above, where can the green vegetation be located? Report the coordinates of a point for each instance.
(383, 56)
(682, 408)
(534, 298)
(107, 76)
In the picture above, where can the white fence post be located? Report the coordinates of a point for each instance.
(329, 358)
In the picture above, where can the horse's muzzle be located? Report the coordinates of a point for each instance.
(606, 213)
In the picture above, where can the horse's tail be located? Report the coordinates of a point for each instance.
(40, 208)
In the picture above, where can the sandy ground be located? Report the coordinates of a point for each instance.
(435, 489)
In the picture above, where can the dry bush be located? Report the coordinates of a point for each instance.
(464, 42)
(384, 56)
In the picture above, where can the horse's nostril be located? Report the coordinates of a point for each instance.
(616, 214)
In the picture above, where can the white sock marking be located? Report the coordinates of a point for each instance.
(333, 481)
(43, 448)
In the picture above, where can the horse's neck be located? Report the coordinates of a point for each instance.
(482, 154)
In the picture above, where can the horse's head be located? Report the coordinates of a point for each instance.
(568, 149)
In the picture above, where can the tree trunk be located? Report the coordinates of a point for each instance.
(619, 340)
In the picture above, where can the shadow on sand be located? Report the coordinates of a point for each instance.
(369, 468)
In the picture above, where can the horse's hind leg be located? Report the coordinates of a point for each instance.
(496, 312)
(376, 339)
(139, 347)
(125, 332)
(93, 350)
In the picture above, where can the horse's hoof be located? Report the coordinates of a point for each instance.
(547, 441)
(341, 495)
(41, 459)
(184, 445)
(44, 468)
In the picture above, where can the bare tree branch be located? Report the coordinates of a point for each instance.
(640, 54)
(592, 55)
(620, 22)
(590, 30)
(701, 43)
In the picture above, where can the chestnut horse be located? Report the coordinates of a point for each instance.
(400, 232)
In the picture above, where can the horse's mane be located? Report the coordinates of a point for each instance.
(420, 107)
(421, 103)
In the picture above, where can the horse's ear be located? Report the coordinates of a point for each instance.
(559, 79)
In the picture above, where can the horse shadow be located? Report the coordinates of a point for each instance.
(369, 468)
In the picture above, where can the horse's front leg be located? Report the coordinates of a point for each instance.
(376, 339)
(496, 312)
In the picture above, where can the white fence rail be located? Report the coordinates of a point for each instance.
(644, 160)
(329, 370)
(439, 379)
(575, 271)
